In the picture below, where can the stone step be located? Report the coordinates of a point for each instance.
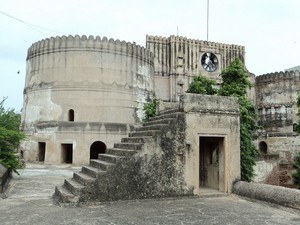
(100, 164)
(121, 152)
(92, 171)
(149, 133)
(63, 195)
(135, 139)
(160, 121)
(152, 127)
(169, 111)
(83, 178)
(131, 146)
(73, 186)
(166, 116)
(110, 158)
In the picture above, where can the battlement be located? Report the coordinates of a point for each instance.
(174, 38)
(278, 76)
(90, 43)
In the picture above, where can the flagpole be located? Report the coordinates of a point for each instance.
(207, 19)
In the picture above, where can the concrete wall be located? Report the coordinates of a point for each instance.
(105, 82)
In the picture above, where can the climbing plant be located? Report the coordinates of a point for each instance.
(235, 83)
(296, 175)
(297, 128)
(10, 137)
(296, 165)
(150, 109)
(202, 85)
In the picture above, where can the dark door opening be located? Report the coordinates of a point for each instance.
(42, 151)
(98, 147)
(210, 151)
(66, 153)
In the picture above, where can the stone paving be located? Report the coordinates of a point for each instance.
(29, 202)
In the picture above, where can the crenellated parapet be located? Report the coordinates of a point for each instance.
(174, 38)
(90, 43)
(276, 96)
(278, 76)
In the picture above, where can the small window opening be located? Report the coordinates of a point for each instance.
(66, 153)
(295, 127)
(71, 115)
(42, 151)
(98, 147)
(263, 148)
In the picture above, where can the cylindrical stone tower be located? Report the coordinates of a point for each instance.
(277, 139)
(81, 95)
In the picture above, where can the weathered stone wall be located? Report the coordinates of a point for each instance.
(104, 82)
(156, 171)
(178, 59)
(212, 116)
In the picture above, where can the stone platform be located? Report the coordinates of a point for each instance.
(29, 202)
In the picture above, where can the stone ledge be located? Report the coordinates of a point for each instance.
(279, 195)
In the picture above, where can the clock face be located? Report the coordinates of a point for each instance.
(209, 61)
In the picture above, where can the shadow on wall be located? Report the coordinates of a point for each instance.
(4, 178)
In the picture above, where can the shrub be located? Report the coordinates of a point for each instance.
(150, 109)
(10, 137)
(202, 85)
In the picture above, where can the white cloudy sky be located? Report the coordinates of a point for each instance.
(269, 29)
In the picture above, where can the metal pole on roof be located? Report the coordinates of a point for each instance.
(207, 19)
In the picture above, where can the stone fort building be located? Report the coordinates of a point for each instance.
(84, 94)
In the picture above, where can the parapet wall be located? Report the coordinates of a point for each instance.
(77, 43)
(279, 195)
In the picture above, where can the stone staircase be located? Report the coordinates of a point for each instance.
(125, 165)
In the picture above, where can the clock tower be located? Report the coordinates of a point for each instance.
(178, 59)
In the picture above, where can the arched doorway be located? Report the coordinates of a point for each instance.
(98, 147)
(263, 148)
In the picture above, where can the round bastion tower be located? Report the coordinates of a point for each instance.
(82, 95)
(277, 140)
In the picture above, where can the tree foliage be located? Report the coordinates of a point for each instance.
(235, 83)
(10, 137)
(202, 85)
(150, 109)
